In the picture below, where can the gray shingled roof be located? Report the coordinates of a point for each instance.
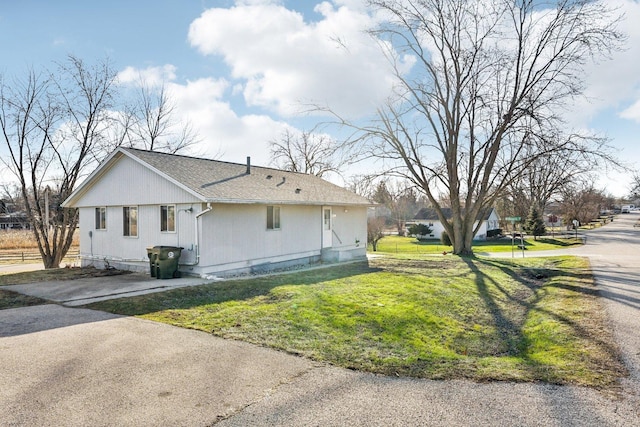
(217, 181)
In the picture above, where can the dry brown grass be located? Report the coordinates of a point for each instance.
(19, 247)
(22, 239)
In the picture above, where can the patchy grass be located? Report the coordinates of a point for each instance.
(523, 320)
(56, 274)
(410, 245)
(9, 299)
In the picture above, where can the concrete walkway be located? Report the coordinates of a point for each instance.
(79, 292)
(76, 367)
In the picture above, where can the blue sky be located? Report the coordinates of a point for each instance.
(239, 70)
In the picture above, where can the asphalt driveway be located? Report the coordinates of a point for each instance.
(75, 367)
(88, 368)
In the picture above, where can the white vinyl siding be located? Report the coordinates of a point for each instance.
(101, 218)
(112, 244)
(348, 227)
(168, 218)
(130, 221)
(237, 233)
(143, 187)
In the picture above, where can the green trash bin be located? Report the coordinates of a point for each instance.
(167, 261)
(152, 253)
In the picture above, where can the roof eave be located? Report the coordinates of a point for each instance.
(284, 202)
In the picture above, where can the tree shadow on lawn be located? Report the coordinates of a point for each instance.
(237, 289)
(501, 314)
(559, 242)
(11, 299)
(525, 300)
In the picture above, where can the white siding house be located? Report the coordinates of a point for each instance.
(428, 216)
(228, 218)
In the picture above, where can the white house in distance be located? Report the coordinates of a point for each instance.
(428, 216)
(229, 218)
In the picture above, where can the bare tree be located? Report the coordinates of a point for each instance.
(634, 190)
(399, 199)
(306, 152)
(544, 180)
(479, 105)
(11, 196)
(153, 123)
(53, 127)
(582, 201)
(375, 231)
(363, 185)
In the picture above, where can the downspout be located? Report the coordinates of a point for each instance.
(197, 240)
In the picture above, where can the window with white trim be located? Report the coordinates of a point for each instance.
(101, 218)
(168, 218)
(130, 221)
(273, 217)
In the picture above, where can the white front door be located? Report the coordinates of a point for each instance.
(327, 231)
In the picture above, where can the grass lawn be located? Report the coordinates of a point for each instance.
(9, 299)
(397, 244)
(521, 320)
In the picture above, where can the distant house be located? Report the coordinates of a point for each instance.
(490, 222)
(229, 218)
(13, 221)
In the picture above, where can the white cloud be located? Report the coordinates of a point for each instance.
(202, 102)
(632, 113)
(257, 2)
(223, 132)
(286, 63)
(151, 76)
(615, 83)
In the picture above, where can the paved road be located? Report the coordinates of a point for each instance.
(18, 268)
(76, 367)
